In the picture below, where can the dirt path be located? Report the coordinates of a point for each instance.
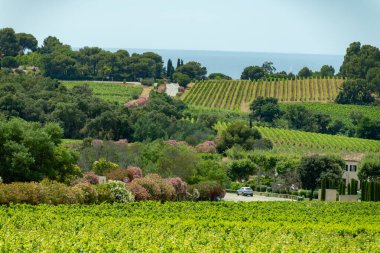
(146, 91)
(234, 197)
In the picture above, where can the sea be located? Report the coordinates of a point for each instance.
(233, 63)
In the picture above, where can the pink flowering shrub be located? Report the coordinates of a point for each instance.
(134, 172)
(179, 186)
(139, 191)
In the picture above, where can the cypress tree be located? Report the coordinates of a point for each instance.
(349, 189)
(178, 63)
(170, 69)
(181, 62)
(342, 188)
(369, 191)
(323, 191)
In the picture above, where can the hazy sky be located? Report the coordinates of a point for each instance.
(289, 26)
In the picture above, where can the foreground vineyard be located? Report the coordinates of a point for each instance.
(192, 227)
(114, 92)
(235, 95)
(298, 141)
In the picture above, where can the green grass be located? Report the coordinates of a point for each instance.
(113, 92)
(192, 227)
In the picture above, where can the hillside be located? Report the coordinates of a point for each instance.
(237, 94)
(294, 141)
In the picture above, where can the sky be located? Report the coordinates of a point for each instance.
(281, 26)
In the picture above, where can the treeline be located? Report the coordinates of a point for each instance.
(266, 111)
(81, 114)
(57, 60)
(268, 71)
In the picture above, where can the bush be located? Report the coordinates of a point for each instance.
(55, 193)
(103, 166)
(236, 186)
(150, 186)
(208, 190)
(104, 194)
(140, 192)
(88, 177)
(134, 172)
(16, 193)
(167, 191)
(120, 192)
(90, 194)
(179, 186)
(120, 174)
(147, 81)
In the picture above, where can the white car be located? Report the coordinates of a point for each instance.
(245, 191)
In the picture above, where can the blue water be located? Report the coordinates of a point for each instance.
(233, 63)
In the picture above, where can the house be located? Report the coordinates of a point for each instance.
(351, 168)
(172, 89)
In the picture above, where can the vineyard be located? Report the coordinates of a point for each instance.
(341, 112)
(298, 141)
(236, 95)
(192, 227)
(113, 92)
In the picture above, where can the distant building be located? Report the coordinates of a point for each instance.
(172, 89)
(351, 167)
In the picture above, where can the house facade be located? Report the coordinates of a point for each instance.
(351, 167)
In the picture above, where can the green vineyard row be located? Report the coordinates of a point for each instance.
(113, 92)
(237, 94)
(192, 227)
(299, 141)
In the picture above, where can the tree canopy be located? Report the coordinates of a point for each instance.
(30, 152)
(313, 168)
(253, 73)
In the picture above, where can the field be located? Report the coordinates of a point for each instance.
(285, 140)
(192, 227)
(236, 95)
(114, 92)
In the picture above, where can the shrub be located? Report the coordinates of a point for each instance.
(104, 194)
(167, 191)
(140, 192)
(55, 193)
(208, 190)
(103, 166)
(90, 194)
(236, 186)
(134, 172)
(179, 186)
(150, 186)
(1, 180)
(91, 178)
(120, 174)
(120, 192)
(16, 193)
